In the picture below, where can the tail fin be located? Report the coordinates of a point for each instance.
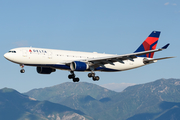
(149, 44)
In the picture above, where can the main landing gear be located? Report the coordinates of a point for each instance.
(76, 79)
(72, 76)
(22, 70)
(92, 74)
(95, 78)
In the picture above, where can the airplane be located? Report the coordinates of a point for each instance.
(47, 61)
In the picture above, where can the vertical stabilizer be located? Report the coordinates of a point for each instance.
(149, 44)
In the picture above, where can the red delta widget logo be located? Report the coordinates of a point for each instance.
(37, 51)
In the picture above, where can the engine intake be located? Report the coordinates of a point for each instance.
(45, 70)
(79, 66)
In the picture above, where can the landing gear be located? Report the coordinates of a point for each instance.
(72, 76)
(95, 78)
(91, 75)
(75, 79)
(22, 70)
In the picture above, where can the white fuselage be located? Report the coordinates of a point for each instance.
(57, 59)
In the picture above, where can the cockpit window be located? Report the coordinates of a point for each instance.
(12, 52)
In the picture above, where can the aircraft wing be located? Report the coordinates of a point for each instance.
(120, 58)
(117, 58)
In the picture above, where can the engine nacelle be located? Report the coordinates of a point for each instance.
(79, 66)
(45, 70)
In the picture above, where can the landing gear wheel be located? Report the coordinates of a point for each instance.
(91, 75)
(96, 78)
(71, 76)
(75, 79)
(22, 70)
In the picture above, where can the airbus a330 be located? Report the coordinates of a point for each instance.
(47, 61)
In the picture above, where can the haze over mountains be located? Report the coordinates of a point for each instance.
(156, 100)
(117, 87)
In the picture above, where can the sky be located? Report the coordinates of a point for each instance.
(103, 26)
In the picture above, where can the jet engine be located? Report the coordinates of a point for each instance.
(79, 66)
(45, 70)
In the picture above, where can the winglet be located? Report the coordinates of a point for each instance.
(165, 46)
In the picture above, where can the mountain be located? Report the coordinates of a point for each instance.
(60, 92)
(156, 100)
(148, 101)
(145, 99)
(87, 104)
(171, 111)
(16, 106)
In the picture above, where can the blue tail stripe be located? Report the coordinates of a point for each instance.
(155, 34)
(151, 47)
(141, 48)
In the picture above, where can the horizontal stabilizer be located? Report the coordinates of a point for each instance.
(151, 60)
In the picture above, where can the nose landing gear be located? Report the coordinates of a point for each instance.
(72, 76)
(22, 70)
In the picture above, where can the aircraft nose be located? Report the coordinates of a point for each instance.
(11, 57)
(6, 55)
